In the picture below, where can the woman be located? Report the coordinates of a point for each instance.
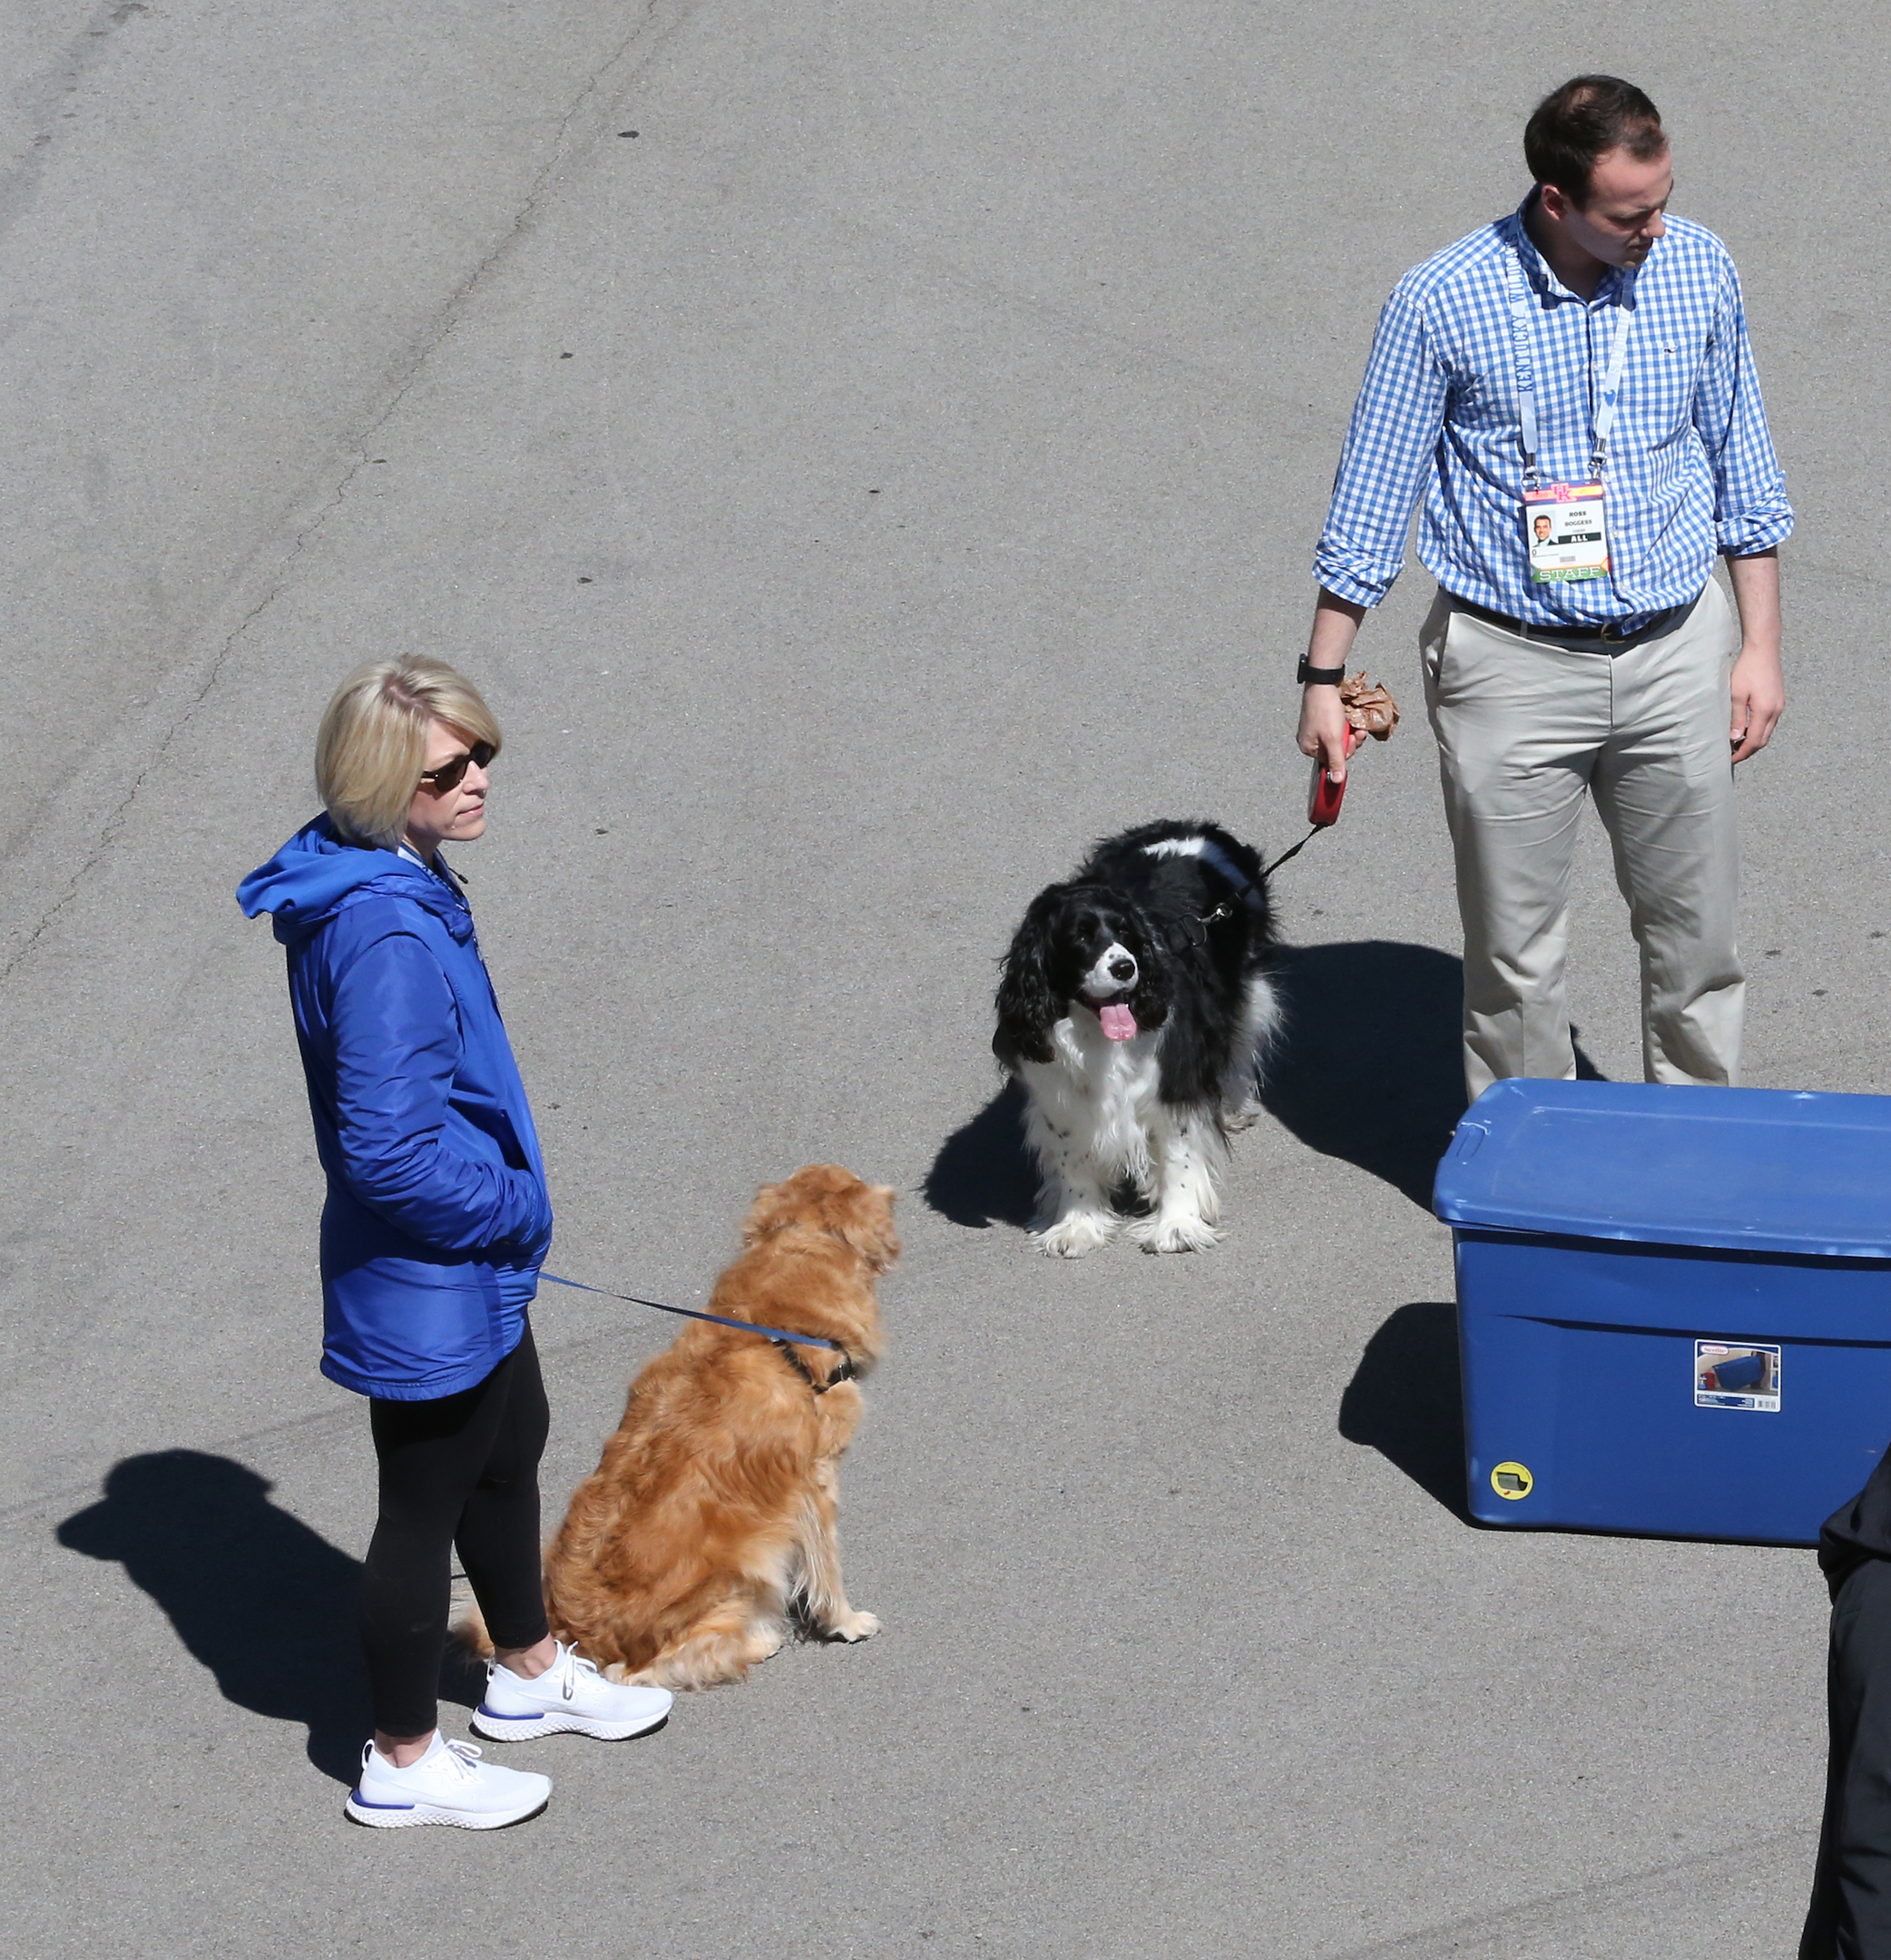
(435, 1225)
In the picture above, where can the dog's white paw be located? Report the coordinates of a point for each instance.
(1076, 1233)
(1244, 1115)
(1183, 1234)
(855, 1626)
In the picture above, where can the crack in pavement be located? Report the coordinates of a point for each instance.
(38, 98)
(1488, 1934)
(446, 316)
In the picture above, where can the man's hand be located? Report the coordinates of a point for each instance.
(1759, 687)
(1323, 729)
(1323, 724)
(1759, 698)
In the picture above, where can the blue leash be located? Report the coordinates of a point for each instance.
(748, 1327)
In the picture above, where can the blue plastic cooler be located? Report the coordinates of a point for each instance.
(1674, 1305)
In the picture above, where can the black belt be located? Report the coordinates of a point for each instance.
(1611, 632)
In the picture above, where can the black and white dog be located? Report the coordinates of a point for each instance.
(1134, 1008)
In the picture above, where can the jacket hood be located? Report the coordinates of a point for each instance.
(304, 885)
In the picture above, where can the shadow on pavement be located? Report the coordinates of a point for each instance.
(265, 1603)
(1369, 1067)
(1370, 1063)
(983, 1174)
(1405, 1401)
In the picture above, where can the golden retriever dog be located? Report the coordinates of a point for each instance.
(710, 1524)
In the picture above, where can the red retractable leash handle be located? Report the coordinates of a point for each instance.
(1322, 804)
(1325, 797)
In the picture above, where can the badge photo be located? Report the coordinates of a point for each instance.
(1567, 533)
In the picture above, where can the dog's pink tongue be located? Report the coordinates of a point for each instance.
(1118, 1023)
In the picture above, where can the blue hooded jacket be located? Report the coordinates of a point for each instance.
(437, 1217)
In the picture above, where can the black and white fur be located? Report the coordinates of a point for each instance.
(1137, 928)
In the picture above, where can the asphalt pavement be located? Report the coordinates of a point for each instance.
(865, 452)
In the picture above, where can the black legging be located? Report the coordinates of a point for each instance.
(1850, 1916)
(460, 1471)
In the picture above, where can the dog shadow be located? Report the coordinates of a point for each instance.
(983, 1175)
(1405, 1402)
(267, 1604)
(1368, 1067)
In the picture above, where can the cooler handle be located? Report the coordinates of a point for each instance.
(1466, 1142)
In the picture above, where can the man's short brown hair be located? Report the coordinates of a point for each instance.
(1582, 120)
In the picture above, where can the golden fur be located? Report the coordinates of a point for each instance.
(711, 1520)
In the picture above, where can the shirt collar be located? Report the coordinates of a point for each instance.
(1545, 282)
(439, 867)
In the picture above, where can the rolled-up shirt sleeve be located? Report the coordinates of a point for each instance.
(397, 1048)
(1750, 510)
(1396, 422)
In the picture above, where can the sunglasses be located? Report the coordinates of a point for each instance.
(438, 781)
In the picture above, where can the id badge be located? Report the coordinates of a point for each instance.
(1567, 531)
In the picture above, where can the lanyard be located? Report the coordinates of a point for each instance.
(1521, 350)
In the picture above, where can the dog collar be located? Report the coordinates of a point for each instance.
(846, 1371)
(1193, 931)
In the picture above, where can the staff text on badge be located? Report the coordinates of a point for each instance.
(1567, 531)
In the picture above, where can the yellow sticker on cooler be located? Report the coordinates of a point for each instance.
(1512, 1480)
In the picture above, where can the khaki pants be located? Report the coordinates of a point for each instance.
(1525, 730)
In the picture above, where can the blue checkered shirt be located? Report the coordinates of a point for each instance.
(1691, 467)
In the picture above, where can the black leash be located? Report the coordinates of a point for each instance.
(1193, 931)
(1268, 870)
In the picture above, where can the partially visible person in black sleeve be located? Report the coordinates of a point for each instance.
(1850, 1915)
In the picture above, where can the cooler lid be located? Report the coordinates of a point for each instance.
(1752, 1170)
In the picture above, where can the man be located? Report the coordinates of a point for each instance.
(1586, 355)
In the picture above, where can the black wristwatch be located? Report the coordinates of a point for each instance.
(1305, 676)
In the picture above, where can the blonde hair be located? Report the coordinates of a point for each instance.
(373, 741)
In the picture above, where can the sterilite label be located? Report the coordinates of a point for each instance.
(1736, 1375)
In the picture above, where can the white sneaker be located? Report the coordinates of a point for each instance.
(448, 1785)
(571, 1694)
